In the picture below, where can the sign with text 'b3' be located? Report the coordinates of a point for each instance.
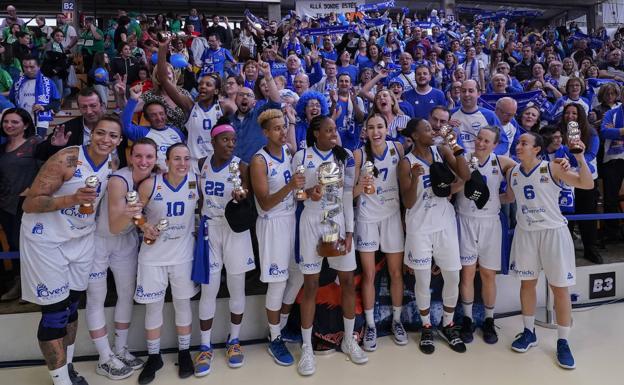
(602, 285)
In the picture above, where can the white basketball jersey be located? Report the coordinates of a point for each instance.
(279, 172)
(537, 197)
(216, 187)
(164, 139)
(174, 245)
(493, 176)
(199, 126)
(102, 226)
(430, 213)
(68, 223)
(385, 201)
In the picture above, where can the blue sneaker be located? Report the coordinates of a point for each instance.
(280, 353)
(290, 336)
(234, 353)
(564, 355)
(202, 361)
(524, 341)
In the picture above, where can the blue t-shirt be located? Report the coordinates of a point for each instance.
(213, 61)
(423, 104)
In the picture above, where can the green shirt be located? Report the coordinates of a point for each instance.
(5, 81)
(88, 42)
(175, 25)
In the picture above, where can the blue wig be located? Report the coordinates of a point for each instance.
(305, 98)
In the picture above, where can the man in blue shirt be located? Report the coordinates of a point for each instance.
(424, 98)
(216, 59)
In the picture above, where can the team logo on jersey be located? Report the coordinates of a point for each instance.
(158, 197)
(274, 270)
(191, 195)
(431, 101)
(192, 185)
(514, 174)
(311, 164)
(250, 261)
(110, 165)
(174, 137)
(493, 162)
(361, 243)
(392, 152)
(38, 228)
(544, 179)
(395, 161)
(494, 171)
(515, 182)
(78, 173)
(140, 293)
(43, 291)
(543, 170)
(273, 172)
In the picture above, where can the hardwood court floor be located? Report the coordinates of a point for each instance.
(596, 342)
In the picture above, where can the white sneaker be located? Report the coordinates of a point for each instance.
(129, 359)
(114, 369)
(399, 333)
(350, 347)
(370, 339)
(307, 362)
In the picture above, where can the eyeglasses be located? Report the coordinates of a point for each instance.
(245, 94)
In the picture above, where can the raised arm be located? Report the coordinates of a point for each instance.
(181, 100)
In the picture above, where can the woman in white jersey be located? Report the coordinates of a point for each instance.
(202, 113)
(378, 223)
(431, 229)
(226, 248)
(322, 139)
(56, 241)
(542, 240)
(167, 257)
(480, 234)
(274, 182)
(117, 248)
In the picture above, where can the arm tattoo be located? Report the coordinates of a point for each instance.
(71, 161)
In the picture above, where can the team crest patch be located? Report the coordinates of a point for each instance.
(514, 174)
(494, 171)
(191, 195)
(392, 151)
(110, 165)
(192, 185)
(543, 170)
(158, 187)
(544, 179)
(310, 156)
(493, 162)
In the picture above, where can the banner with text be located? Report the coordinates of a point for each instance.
(316, 8)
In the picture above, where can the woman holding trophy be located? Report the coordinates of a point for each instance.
(379, 223)
(166, 257)
(326, 230)
(276, 186)
(117, 247)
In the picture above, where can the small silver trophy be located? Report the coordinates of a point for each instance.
(369, 168)
(300, 194)
(132, 197)
(92, 182)
(574, 135)
(474, 163)
(330, 178)
(164, 35)
(162, 225)
(235, 178)
(449, 135)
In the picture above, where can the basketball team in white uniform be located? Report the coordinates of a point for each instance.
(67, 249)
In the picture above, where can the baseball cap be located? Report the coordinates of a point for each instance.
(441, 178)
(396, 80)
(477, 190)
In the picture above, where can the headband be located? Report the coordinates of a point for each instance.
(220, 129)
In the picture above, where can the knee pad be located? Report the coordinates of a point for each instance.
(450, 290)
(96, 294)
(74, 298)
(236, 287)
(54, 320)
(293, 285)
(421, 288)
(274, 295)
(125, 302)
(183, 312)
(153, 315)
(208, 299)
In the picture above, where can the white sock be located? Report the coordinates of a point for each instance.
(426, 319)
(234, 331)
(283, 320)
(370, 318)
(489, 312)
(60, 376)
(396, 313)
(349, 324)
(275, 331)
(529, 322)
(563, 332)
(205, 337)
(447, 318)
(103, 347)
(153, 346)
(306, 336)
(467, 307)
(184, 341)
(121, 340)
(70, 353)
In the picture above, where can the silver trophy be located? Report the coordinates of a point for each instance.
(574, 135)
(330, 178)
(450, 137)
(300, 194)
(235, 178)
(474, 163)
(369, 169)
(164, 35)
(162, 225)
(91, 182)
(132, 197)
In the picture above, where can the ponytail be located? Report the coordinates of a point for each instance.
(370, 156)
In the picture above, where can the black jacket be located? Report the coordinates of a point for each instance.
(129, 66)
(523, 71)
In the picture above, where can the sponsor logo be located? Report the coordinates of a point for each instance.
(191, 195)
(158, 197)
(570, 275)
(78, 173)
(274, 270)
(38, 228)
(311, 164)
(515, 182)
(140, 293)
(395, 161)
(361, 243)
(418, 261)
(544, 179)
(538, 210)
(98, 275)
(43, 291)
(273, 172)
(314, 265)
(73, 212)
(250, 261)
(468, 259)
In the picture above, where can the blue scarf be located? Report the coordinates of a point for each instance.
(201, 254)
(43, 94)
